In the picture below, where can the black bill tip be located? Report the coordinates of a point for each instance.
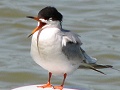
(29, 35)
(30, 17)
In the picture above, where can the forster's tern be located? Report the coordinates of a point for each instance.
(57, 50)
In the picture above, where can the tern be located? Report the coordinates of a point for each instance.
(58, 50)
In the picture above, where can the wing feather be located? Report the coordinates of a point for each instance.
(71, 45)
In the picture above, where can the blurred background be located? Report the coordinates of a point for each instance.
(96, 21)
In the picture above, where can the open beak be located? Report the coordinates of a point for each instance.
(37, 28)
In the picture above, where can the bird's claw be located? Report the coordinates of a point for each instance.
(48, 85)
(58, 87)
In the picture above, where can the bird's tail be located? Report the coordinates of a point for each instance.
(90, 63)
(95, 67)
(89, 66)
(104, 66)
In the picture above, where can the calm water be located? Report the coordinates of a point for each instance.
(98, 23)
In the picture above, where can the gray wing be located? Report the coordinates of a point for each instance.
(68, 36)
(71, 45)
(88, 59)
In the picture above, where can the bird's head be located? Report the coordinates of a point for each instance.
(46, 15)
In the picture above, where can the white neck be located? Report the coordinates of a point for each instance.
(53, 24)
(50, 23)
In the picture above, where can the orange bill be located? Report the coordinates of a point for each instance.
(37, 28)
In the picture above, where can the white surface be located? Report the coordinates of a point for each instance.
(34, 87)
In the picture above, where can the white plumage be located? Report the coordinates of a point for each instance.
(57, 50)
(48, 54)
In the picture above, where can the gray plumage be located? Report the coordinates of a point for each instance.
(71, 47)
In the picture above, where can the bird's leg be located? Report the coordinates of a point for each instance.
(61, 86)
(48, 85)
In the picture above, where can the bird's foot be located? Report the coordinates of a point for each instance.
(58, 87)
(48, 85)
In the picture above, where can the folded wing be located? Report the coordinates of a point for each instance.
(71, 47)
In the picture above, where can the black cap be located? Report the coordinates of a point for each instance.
(50, 12)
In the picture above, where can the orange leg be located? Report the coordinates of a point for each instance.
(48, 85)
(61, 86)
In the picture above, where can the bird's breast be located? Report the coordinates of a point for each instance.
(48, 53)
(47, 43)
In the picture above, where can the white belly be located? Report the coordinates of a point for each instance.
(50, 56)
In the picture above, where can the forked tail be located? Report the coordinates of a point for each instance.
(95, 67)
(90, 63)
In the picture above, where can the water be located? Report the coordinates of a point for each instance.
(96, 21)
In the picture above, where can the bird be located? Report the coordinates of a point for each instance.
(58, 50)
